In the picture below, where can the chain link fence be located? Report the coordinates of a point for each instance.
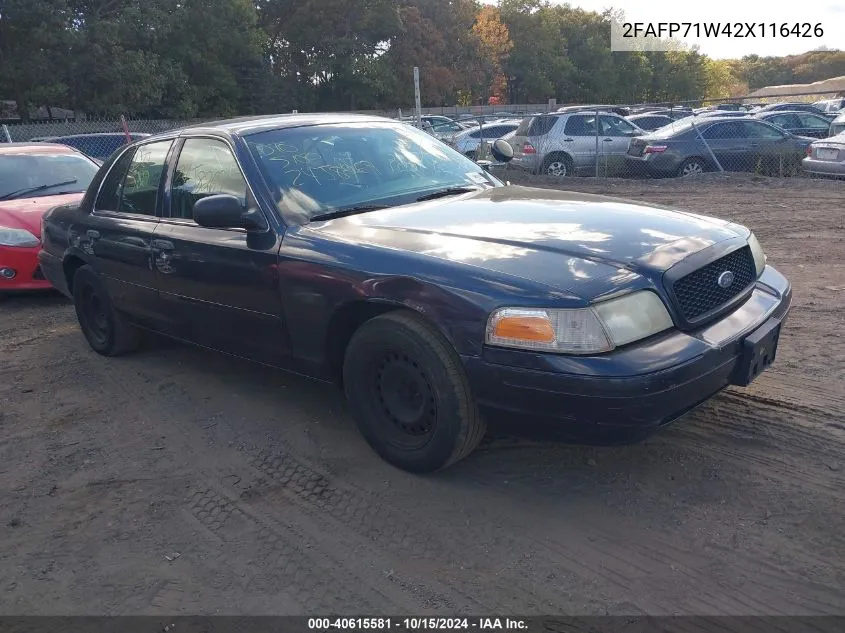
(797, 136)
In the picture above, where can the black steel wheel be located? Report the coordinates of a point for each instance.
(105, 329)
(409, 394)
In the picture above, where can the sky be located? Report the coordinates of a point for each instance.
(829, 13)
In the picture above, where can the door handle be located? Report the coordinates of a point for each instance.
(162, 245)
(608, 140)
(94, 235)
(568, 140)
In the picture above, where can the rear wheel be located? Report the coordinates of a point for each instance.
(558, 165)
(106, 330)
(691, 167)
(409, 394)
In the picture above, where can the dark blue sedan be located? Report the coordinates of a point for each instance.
(366, 252)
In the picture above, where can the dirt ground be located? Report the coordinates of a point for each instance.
(178, 481)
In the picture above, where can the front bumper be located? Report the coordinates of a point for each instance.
(27, 272)
(637, 388)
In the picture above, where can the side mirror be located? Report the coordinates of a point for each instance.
(502, 150)
(223, 211)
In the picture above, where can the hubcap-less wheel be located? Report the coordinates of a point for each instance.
(692, 168)
(556, 168)
(407, 406)
(408, 393)
(96, 315)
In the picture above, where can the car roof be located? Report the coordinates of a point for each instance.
(36, 148)
(251, 124)
(780, 112)
(93, 135)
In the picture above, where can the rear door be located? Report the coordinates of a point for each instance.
(729, 143)
(218, 286)
(579, 139)
(120, 231)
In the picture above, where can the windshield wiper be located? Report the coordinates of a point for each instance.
(339, 213)
(450, 191)
(23, 192)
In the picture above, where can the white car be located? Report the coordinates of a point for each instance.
(468, 141)
(837, 126)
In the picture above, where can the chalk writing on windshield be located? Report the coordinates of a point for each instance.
(299, 164)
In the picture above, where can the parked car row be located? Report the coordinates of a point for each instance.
(362, 251)
(594, 139)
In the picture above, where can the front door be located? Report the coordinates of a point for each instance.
(220, 286)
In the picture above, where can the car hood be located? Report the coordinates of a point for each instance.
(25, 213)
(546, 235)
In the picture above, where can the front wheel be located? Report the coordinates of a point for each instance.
(409, 394)
(105, 329)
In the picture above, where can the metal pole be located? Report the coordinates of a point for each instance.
(597, 143)
(6, 133)
(706, 144)
(417, 97)
(125, 128)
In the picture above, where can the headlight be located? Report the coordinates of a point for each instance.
(757, 252)
(17, 237)
(599, 328)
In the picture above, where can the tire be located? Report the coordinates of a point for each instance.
(692, 167)
(558, 165)
(409, 395)
(105, 329)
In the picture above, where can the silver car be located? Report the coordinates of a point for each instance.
(565, 144)
(468, 141)
(837, 125)
(826, 157)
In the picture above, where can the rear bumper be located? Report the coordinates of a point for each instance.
(823, 167)
(621, 391)
(22, 263)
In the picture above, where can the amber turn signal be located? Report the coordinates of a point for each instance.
(525, 328)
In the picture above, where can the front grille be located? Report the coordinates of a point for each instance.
(699, 292)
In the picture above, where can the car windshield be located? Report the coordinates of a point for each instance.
(33, 175)
(319, 169)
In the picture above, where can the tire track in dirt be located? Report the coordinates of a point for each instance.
(394, 532)
(277, 562)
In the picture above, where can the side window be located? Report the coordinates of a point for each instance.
(205, 167)
(581, 125)
(782, 120)
(542, 125)
(132, 184)
(615, 126)
(140, 187)
(726, 130)
(110, 190)
(812, 121)
(755, 129)
(476, 134)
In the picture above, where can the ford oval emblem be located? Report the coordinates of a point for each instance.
(725, 279)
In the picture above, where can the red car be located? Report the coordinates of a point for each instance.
(34, 177)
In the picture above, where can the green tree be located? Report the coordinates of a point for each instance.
(34, 52)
